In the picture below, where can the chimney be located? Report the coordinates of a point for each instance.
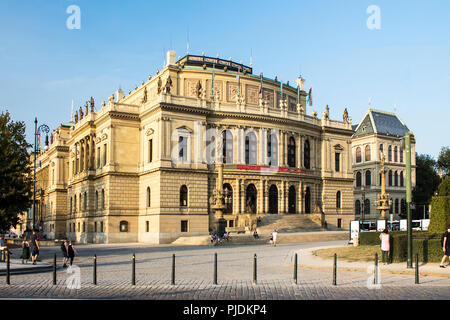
(170, 57)
(119, 95)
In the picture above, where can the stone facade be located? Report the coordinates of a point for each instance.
(143, 167)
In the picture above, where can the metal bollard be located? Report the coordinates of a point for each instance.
(173, 269)
(417, 269)
(133, 271)
(95, 270)
(254, 269)
(8, 268)
(54, 269)
(215, 268)
(295, 269)
(375, 278)
(335, 270)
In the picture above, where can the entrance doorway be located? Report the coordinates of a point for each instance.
(273, 199)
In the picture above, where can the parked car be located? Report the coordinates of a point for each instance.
(368, 226)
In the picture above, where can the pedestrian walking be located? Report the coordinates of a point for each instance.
(25, 250)
(274, 237)
(64, 249)
(71, 252)
(385, 246)
(34, 247)
(445, 247)
(2, 248)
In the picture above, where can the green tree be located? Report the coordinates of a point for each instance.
(15, 178)
(443, 162)
(427, 179)
(444, 187)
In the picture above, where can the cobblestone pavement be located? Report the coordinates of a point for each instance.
(194, 276)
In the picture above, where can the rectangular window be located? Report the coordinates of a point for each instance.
(95, 227)
(182, 148)
(98, 157)
(147, 226)
(150, 150)
(184, 226)
(78, 227)
(104, 155)
(101, 226)
(337, 161)
(84, 227)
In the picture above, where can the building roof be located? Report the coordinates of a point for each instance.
(381, 122)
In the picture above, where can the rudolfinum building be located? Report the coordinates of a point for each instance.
(147, 166)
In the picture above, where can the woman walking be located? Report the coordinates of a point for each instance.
(385, 246)
(25, 250)
(64, 250)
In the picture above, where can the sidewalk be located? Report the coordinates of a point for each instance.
(307, 260)
(16, 267)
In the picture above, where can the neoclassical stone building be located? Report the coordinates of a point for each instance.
(144, 166)
(379, 133)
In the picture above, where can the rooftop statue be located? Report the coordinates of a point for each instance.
(168, 85)
(92, 104)
(345, 116)
(159, 85)
(198, 89)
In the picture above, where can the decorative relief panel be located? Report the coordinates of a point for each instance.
(268, 95)
(251, 93)
(218, 89)
(190, 87)
(232, 90)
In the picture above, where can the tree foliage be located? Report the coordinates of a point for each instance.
(444, 187)
(15, 178)
(427, 179)
(443, 162)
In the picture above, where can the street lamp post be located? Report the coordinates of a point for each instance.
(37, 136)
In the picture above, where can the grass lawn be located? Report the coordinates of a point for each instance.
(350, 253)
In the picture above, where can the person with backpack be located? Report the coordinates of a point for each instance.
(445, 242)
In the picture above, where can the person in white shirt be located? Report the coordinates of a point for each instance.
(274, 238)
(385, 246)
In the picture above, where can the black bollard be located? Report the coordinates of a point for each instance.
(417, 268)
(335, 270)
(254, 269)
(295, 269)
(215, 268)
(375, 278)
(95, 270)
(173, 269)
(8, 271)
(133, 271)
(54, 269)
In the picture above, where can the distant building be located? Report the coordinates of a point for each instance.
(380, 132)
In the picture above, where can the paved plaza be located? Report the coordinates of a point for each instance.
(194, 275)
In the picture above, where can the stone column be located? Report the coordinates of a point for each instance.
(300, 201)
(242, 183)
(260, 208)
(236, 197)
(266, 196)
(281, 196)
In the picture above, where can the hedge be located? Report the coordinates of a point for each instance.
(426, 244)
(440, 214)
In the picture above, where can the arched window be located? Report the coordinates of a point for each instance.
(250, 148)
(148, 197)
(366, 207)
(396, 206)
(368, 178)
(272, 150)
(183, 196)
(338, 200)
(395, 154)
(82, 159)
(273, 199)
(358, 155)
(306, 155)
(390, 153)
(103, 198)
(401, 155)
(250, 199)
(358, 179)
(291, 152)
(292, 199)
(228, 197)
(390, 178)
(123, 226)
(401, 179)
(367, 153)
(307, 200)
(357, 207)
(395, 178)
(227, 145)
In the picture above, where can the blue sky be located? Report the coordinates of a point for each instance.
(44, 65)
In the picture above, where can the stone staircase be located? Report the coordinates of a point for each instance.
(289, 223)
